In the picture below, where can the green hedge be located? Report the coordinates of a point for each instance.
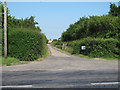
(107, 48)
(57, 44)
(26, 45)
(95, 47)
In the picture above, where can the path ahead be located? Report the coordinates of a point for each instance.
(63, 71)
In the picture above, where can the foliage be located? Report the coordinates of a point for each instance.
(56, 43)
(106, 26)
(108, 48)
(55, 40)
(25, 40)
(95, 47)
(114, 10)
(26, 44)
(28, 23)
(9, 61)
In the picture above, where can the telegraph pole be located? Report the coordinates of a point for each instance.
(5, 29)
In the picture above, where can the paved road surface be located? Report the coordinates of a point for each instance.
(60, 70)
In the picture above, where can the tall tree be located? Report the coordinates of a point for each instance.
(113, 9)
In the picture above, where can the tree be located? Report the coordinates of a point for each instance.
(54, 40)
(106, 26)
(119, 11)
(113, 10)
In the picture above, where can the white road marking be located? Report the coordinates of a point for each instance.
(60, 69)
(55, 70)
(17, 86)
(105, 83)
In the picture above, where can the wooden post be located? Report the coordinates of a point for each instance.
(5, 29)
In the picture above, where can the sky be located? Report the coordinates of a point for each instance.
(55, 17)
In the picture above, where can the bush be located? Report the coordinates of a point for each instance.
(26, 44)
(69, 49)
(56, 43)
(95, 47)
(107, 48)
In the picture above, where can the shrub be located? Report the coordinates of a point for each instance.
(95, 47)
(26, 44)
(69, 49)
(108, 48)
(56, 43)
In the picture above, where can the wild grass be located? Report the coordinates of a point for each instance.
(9, 61)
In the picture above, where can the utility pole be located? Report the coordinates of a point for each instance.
(5, 29)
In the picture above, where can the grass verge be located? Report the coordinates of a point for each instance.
(9, 61)
(13, 61)
(81, 55)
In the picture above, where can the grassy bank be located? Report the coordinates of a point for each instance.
(83, 56)
(95, 48)
(63, 50)
(13, 61)
(9, 61)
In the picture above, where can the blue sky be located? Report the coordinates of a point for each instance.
(55, 17)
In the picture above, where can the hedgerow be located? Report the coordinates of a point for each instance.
(26, 45)
(107, 48)
(95, 47)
